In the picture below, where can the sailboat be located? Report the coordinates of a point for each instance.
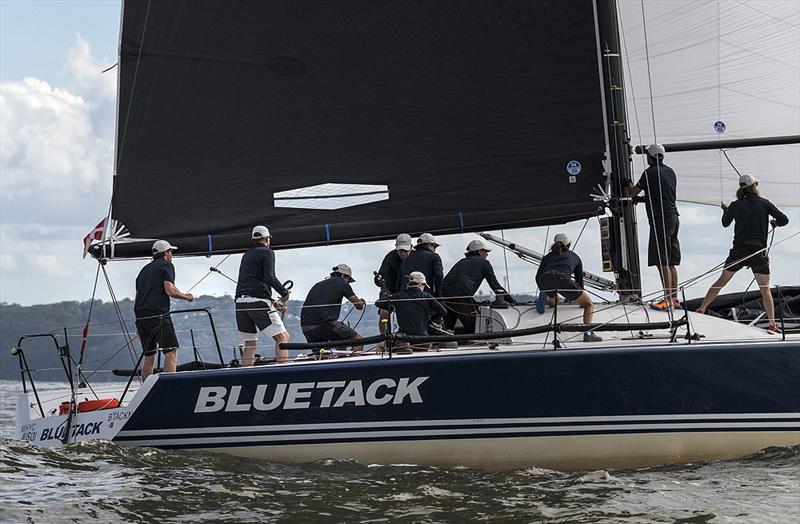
(353, 122)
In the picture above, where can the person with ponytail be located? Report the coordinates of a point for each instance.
(752, 215)
(555, 275)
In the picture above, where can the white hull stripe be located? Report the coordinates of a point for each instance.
(646, 421)
(469, 432)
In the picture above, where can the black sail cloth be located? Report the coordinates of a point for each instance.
(466, 115)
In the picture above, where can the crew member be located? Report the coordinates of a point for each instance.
(425, 260)
(659, 183)
(555, 274)
(751, 213)
(319, 318)
(255, 310)
(463, 280)
(154, 287)
(389, 277)
(413, 306)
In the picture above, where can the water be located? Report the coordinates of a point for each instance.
(103, 482)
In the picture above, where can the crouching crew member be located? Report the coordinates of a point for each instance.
(389, 278)
(751, 213)
(154, 286)
(413, 306)
(555, 273)
(319, 318)
(463, 280)
(255, 310)
(425, 260)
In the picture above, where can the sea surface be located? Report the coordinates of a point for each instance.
(102, 482)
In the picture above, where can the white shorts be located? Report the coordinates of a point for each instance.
(254, 316)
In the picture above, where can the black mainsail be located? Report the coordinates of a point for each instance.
(354, 120)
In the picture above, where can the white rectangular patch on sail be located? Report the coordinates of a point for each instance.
(331, 196)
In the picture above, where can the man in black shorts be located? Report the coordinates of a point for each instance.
(255, 310)
(154, 286)
(660, 184)
(319, 318)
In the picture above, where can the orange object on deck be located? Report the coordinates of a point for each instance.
(90, 405)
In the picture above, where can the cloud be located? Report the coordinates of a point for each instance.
(87, 73)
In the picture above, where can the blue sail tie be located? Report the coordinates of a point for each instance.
(461, 221)
(210, 246)
(327, 234)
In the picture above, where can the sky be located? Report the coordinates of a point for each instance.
(57, 111)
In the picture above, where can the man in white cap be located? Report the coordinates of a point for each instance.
(415, 309)
(319, 318)
(255, 309)
(388, 277)
(561, 273)
(425, 260)
(155, 284)
(752, 214)
(463, 281)
(659, 183)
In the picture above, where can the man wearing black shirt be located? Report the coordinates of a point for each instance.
(319, 318)
(463, 280)
(255, 309)
(425, 260)
(415, 308)
(389, 278)
(659, 183)
(155, 284)
(751, 213)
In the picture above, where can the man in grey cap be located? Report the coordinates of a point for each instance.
(415, 309)
(319, 318)
(659, 183)
(425, 260)
(255, 309)
(155, 284)
(388, 277)
(463, 280)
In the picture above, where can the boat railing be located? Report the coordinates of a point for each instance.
(26, 372)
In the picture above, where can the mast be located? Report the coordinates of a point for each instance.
(624, 239)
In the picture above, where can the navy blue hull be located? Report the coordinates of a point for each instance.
(688, 388)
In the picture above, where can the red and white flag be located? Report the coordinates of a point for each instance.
(95, 234)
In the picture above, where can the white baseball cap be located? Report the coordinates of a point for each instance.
(656, 150)
(260, 232)
(344, 269)
(403, 242)
(427, 238)
(747, 181)
(417, 277)
(477, 245)
(162, 246)
(561, 237)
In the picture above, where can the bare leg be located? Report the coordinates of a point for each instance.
(384, 315)
(766, 295)
(281, 354)
(585, 302)
(358, 348)
(147, 366)
(171, 361)
(714, 290)
(673, 273)
(249, 353)
(666, 281)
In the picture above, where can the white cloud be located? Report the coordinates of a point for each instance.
(87, 73)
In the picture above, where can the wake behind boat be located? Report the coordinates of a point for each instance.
(350, 124)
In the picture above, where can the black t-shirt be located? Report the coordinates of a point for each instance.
(426, 262)
(567, 263)
(464, 279)
(151, 299)
(413, 311)
(662, 194)
(390, 271)
(257, 274)
(330, 291)
(752, 218)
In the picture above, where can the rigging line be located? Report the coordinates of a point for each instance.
(505, 261)
(88, 319)
(719, 102)
(119, 314)
(667, 295)
(724, 152)
(575, 244)
(211, 269)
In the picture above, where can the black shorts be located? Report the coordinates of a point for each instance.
(329, 331)
(256, 317)
(664, 239)
(155, 333)
(567, 288)
(759, 263)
